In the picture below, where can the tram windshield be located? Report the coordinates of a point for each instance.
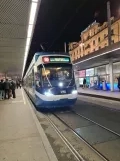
(53, 73)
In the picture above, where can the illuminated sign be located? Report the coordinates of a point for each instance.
(60, 59)
(52, 59)
(90, 72)
(46, 59)
(82, 73)
(81, 81)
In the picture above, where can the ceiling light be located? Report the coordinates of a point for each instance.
(28, 41)
(30, 28)
(34, 0)
(32, 13)
(26, 49)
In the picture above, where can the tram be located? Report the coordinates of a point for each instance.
(49, 80)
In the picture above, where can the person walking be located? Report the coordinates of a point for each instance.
(2, 93)
(7, 89)
(12, 87)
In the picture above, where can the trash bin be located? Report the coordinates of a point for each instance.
(104, 85)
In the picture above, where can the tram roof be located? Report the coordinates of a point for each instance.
(51, 53)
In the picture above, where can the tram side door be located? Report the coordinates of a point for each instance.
(33, 82)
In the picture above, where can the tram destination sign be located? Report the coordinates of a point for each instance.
(60, 59)
(56, 59)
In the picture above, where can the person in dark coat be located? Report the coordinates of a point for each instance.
(12, 87)
(118, 83)
(84, 83)
(7, 88)
(2, 90)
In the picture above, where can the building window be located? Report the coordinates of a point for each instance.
(112, 32)
(105, 35)
(113, 42)
(80, 50)
(99, 39)
(93, 42)
(93, 50)
(105, 44)
(99, 47)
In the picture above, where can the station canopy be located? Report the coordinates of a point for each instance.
(14, 22)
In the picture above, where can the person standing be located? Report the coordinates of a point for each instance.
(84, 83)
(2, 90)
(7, 89)
(12, 87)
(17, 83)
(118, 83)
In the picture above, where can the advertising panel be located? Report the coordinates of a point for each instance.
(82, 73)
(81, 81)
(90, 72)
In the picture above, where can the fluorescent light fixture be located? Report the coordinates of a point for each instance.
(26, 49)
(28, 41)
(30, 28)
(34, 0)
(32, 13)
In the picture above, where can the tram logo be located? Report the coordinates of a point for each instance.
(63, 92)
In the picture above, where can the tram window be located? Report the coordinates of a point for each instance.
(57, 73)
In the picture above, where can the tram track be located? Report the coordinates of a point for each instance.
(117, 134)
(67, 141)
(104, 157)
(81, 138)
(64, 139)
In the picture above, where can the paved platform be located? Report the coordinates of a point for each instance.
(100, 94)
(21, 135)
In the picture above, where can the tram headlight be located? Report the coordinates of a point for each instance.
(48, 93)
(74, 92)
(60, 84)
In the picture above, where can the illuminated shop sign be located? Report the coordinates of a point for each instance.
(90, 72)
(82, 73)
(81, 81)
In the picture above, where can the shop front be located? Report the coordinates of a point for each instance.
(76, 74)
(82, 75)
(99, 76)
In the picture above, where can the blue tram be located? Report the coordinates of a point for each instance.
(49, 80)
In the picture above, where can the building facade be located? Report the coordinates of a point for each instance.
(93, 38)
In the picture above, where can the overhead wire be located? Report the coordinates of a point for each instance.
(76, 11)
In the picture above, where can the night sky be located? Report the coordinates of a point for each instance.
(62, 21)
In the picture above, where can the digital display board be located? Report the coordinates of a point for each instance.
(60, 59)
(53, 59)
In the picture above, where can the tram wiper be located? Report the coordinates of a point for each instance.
(46, 76)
